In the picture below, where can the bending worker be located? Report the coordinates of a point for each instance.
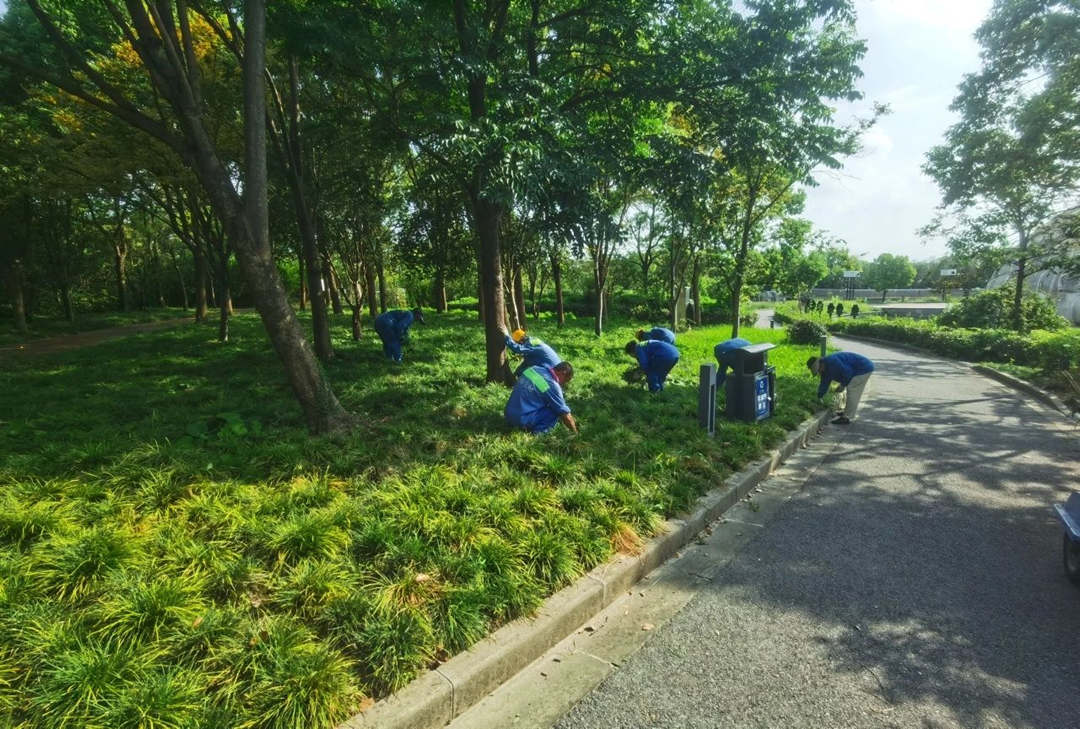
(532, 350)
(656, 358)
(393, 329)
(536, 403)
(658, 333)
(848, 369)
(725, 356)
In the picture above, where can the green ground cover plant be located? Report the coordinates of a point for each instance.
(176, 551)
(41, 327)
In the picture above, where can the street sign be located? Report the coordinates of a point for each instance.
(948, 272)
(852, 274)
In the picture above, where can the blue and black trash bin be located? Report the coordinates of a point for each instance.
(751, 388)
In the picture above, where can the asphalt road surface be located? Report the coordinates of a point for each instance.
(914, 581)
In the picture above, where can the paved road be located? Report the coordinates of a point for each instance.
(914, 581)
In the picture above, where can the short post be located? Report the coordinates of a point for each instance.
(824, 345)
(772, 322)
(706, 409)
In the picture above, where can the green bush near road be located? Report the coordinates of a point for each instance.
(993, 310)
(806, 331)
(1051, 350)
(175, 550)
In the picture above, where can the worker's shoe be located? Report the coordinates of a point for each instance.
(842, 420)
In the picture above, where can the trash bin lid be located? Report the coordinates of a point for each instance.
(756, 348)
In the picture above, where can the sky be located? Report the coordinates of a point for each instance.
(918, 51)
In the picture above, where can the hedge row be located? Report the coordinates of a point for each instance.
(1048, 350)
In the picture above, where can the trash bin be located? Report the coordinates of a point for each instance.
(751, 387)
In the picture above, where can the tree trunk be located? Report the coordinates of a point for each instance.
(303, 283)
(598, 320)
(225, 311)
(440, 291)
(224, 298)
(248, 221)
(200, 285)
(519, 295)
(357, 310)
(369, 290)
(479, 291)
(120, 261)
(556, 274)
(296, 173)
(332, 284)
(695, 289)
(180, 279)
(740, 264)
(381, 276)
(65, 302)
(18, 300)
(1021, 274)
(487, 216)
(532, 296)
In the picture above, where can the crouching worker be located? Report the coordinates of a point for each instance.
(536, 403)
(393, 329)
(533, 351)
(658, 333)
(655, 358)
(848, 369)
(725, 356)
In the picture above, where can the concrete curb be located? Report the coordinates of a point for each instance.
(1026, 387)
(439, 696)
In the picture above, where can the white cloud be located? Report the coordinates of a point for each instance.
(918, 51)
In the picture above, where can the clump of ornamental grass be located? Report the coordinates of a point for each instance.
(461, 617)
(71, 565)
(281, 675)
(308, 587)
(159, 697)
(194, 643)
(549, 557)
(141, 608)
(388, 647)
(305, 534)
(23, 522)
(83, 684)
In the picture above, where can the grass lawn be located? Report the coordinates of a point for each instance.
(39, 328)
(175, 550)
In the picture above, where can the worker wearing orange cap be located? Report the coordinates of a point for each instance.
(532, 350)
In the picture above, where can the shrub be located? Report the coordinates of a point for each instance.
(1045, 349)
(993, 310)
(806, 331)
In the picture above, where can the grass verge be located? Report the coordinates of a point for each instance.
(176, 551)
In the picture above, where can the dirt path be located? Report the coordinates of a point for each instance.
(51, 345)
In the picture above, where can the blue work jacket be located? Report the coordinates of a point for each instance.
(536, 402)
(841, 367)
(534, 351)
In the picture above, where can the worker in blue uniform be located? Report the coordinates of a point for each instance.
(656, 358)
(658, 333)
(725, 356)
(533, 351)
(851, 371)
(393, 329)
(536, 403)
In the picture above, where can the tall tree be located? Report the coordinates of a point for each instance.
(1011, 162)
(162, 36)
